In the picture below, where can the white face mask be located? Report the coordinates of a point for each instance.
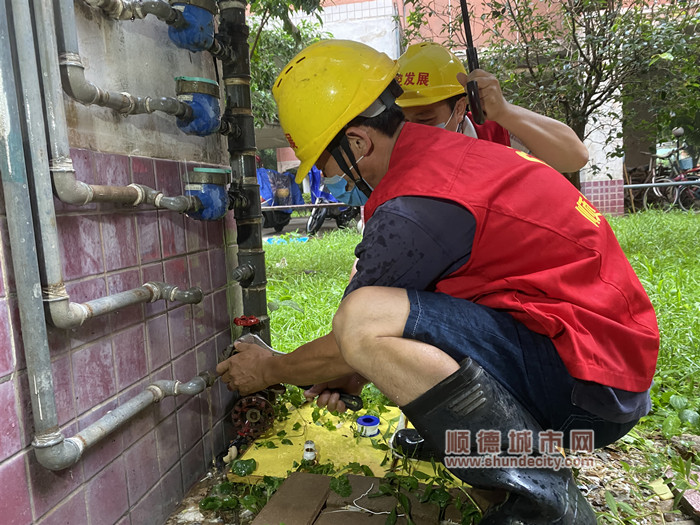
(443, 125)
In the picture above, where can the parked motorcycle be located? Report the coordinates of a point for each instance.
(343, 215)
(277, 189)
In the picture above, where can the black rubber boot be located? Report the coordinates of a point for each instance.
(408, 443)
(470, 399)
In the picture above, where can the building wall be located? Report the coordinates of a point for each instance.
(139, 473)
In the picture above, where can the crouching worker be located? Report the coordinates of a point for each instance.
(490, 296)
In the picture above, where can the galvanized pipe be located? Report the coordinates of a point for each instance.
(131, 9)
(79, 88)
(148, 293)
(20, 224)
(68, 451)
(233, 32)
(663, 184)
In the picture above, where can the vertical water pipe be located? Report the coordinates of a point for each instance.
(24, 254)
(233, 32)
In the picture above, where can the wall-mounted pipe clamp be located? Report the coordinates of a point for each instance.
(202, 95)
(198, 33)
(209, 185)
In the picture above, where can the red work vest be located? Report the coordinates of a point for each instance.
(541, 252)
(491, 131)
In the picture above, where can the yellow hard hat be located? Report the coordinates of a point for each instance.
(428, 74)
(323, 88)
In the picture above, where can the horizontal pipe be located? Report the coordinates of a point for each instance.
(65, 314)
(79, 88)
(55, 452)
(663, 184)
(132, 9)
(305, 206)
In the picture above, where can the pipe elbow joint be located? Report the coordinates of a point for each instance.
(66, 315)
(58, 454)
(72, 191)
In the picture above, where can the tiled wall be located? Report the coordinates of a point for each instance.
(137, 474)
(606, 195)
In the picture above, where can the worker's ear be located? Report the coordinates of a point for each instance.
(360, 141)
(461, 106)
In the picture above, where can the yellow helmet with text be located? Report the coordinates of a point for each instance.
(428, 74)
(323, 88)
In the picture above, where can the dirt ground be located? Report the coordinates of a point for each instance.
(616, 470)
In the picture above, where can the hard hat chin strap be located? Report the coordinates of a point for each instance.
(347, 170)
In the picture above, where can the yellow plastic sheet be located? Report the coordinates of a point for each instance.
(336, 439)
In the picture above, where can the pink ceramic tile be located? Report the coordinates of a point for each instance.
(217, 264)
(93, 375)
(204, 322)
(195, 234)
(72, 511)
(158, 342)
(181, 330)
(7, 350)
(206, 355)
(106, 495)
(199, 271)
(150, 508)
(14, 504)
(168, 443)
(215, 233)
(10, 442)
(119, 239)
(221, 315)
(171, 486)
(80, 245)
(153, 272)
(142, 472)
(176, 272)
(111, 169)
(172, 233)
(130, 356)
(193, 466)
(84, 165)
(63, 389)
(96, 327)
(168, 177)
(122, 282)
(107, 449)
(148, 235)
(143, 171)
(50, 487)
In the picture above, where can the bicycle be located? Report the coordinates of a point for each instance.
(688, 197)
(660, 197)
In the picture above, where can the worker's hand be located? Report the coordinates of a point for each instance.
(329, 393)
(243, 371)
(492, 101)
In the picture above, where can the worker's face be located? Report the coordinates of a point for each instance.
(436, 114)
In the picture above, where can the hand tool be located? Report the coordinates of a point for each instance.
(472, 64)
(352, 402)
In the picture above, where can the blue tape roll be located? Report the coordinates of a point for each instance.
(368, 426)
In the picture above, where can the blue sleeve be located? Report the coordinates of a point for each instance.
(413, 242)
